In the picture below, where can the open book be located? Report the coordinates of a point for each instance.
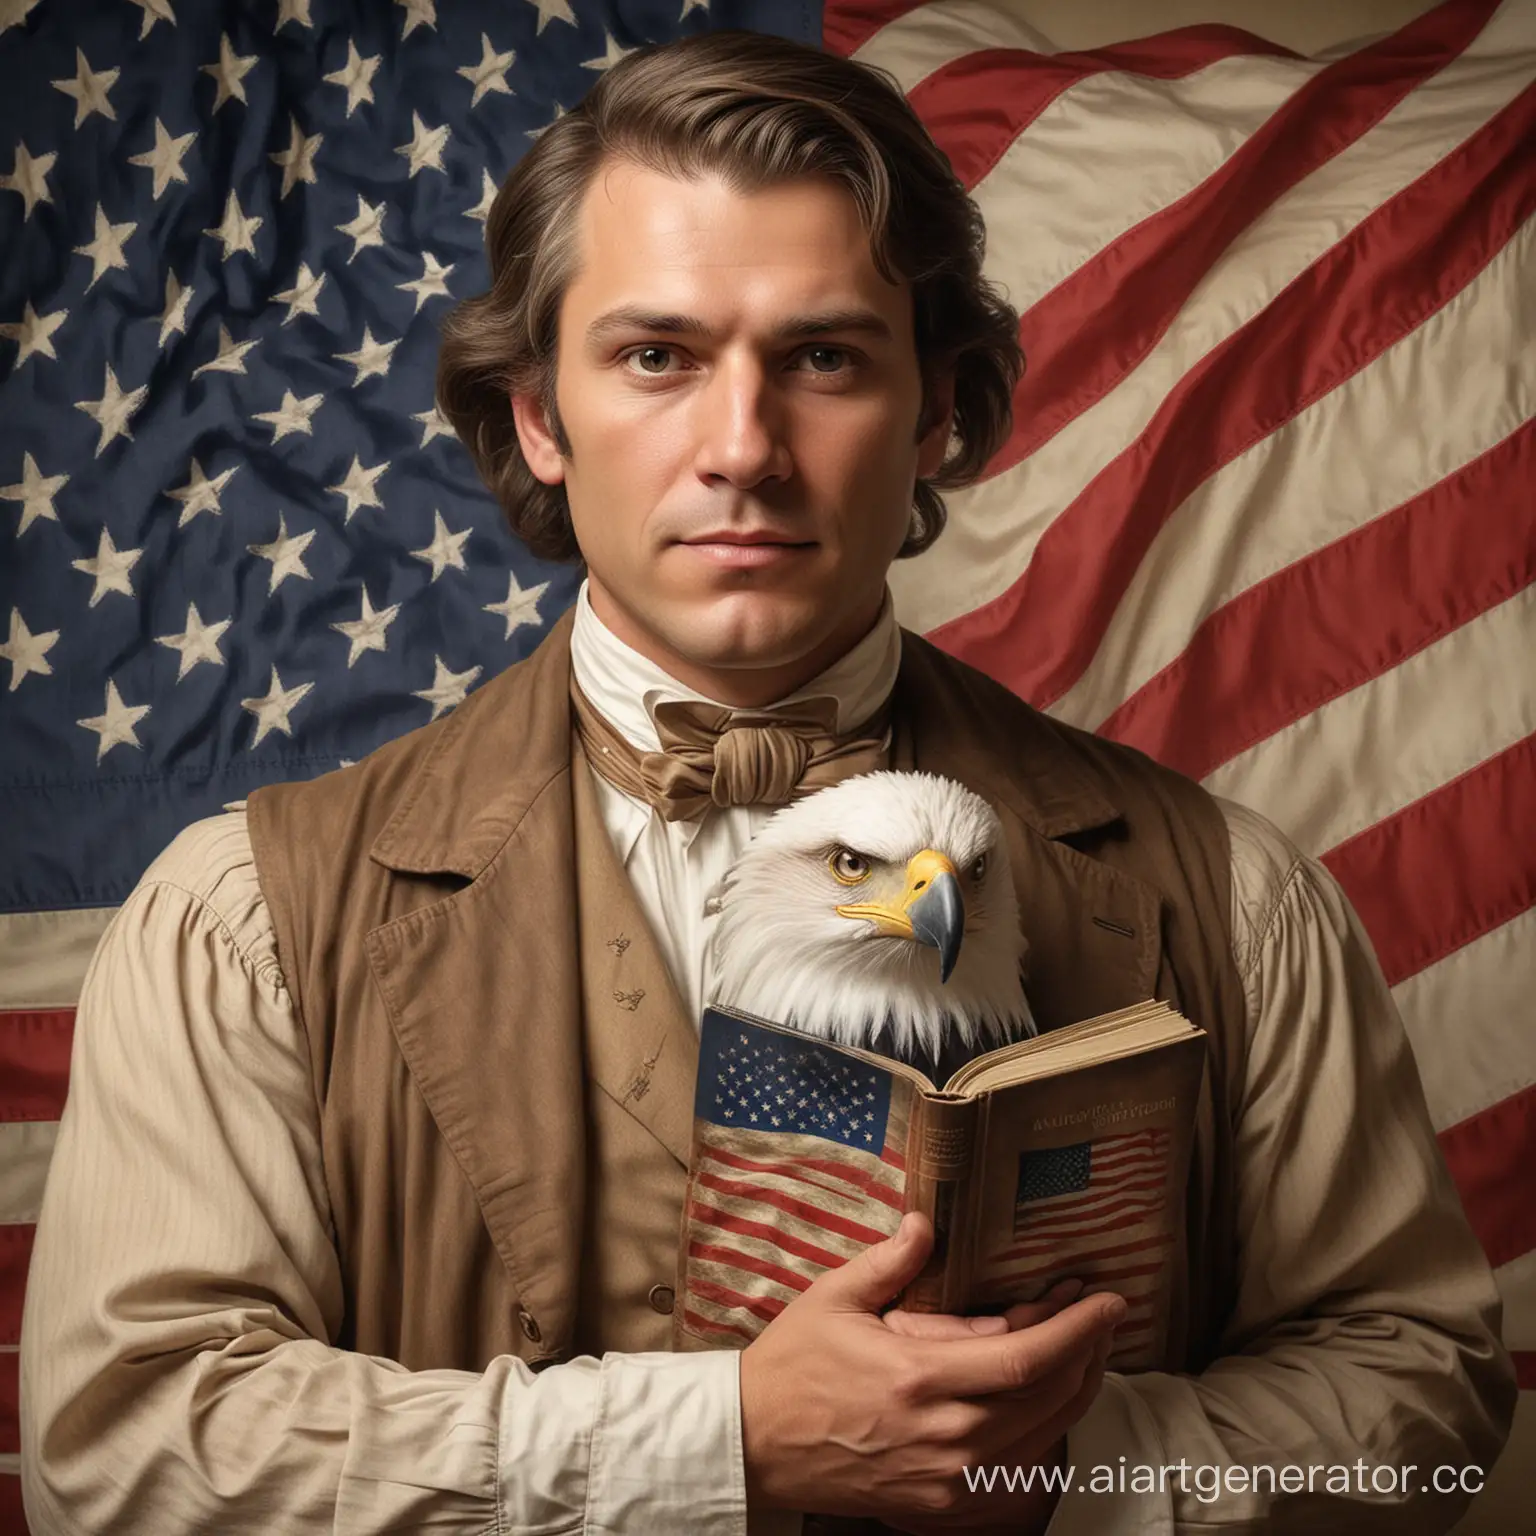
(1064, 1156)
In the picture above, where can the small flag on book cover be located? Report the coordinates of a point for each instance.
(1095, 1211)
(800, 1164)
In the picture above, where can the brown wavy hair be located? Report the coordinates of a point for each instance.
(756, 110)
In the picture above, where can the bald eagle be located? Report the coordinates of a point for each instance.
(878, 912)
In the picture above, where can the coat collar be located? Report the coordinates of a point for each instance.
(498, 751)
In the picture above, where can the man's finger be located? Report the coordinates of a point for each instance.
(977, 1366)
(941, 1325)
(872, 1278)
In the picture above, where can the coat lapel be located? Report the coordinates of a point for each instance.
(1093, 934)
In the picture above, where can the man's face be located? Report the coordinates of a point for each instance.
(682, 441)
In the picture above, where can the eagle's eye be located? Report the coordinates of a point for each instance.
(978, 866)
(848, 866)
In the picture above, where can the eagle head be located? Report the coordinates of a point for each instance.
(879, 912)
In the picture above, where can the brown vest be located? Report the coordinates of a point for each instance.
(502, 1064)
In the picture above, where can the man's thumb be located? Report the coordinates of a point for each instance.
(872, 1278)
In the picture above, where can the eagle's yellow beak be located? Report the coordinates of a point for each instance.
(932, 910)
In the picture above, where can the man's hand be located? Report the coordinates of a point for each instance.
(846, 1413)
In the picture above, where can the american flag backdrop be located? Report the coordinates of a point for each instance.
(801, 1164)
(1266, 512)
(1097, 1211)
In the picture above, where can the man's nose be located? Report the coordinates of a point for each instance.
(743, 424)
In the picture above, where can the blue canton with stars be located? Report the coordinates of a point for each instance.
(237, 542)
(759, 1080)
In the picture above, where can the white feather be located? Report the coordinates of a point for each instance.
(781, 950)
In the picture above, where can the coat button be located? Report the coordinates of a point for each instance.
(529, 1324)
(661, 1298)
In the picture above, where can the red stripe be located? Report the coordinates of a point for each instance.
(15, 1256)
(34, 1061)
(1490, 1156)
(828, 1221)
(788, 1169)
(846, 25)
(765, 1308)
(975, 106)
(1377, 285)
(1525, 1369)
(740, 1258)
(1095, 327)
(1342, 616)
(712, 1217)
(706, 1326)
(1050, 1245)
(10, 1412)
(1108, 1280)
(1448, 868)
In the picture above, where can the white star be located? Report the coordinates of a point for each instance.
(114, 726)
(231, 358)
(370, 359)
(165, 158)
(113, 411)
(433, 424)
(29, 176)
(534, 133)
(425, 151)
(418, 13)
(482, 209)
(89, 88)
(235, 232)
(357, 77)
(25, 651)
(558, 10)
(292, 10)
(366, 229)
(272, 711)
(490, 74)
(106, 250)
(34, 332)
(304, 297)
(358, 486)
(35, 492)
(154, 10)
(197, 642)
(521, 606)
(430, 284)
(298, 160)
(286, 552)
(230, 72)
(367, 633)
(612, 53)
(448, 688)
(110, 567)
(445, 549)
(14, 12)
(174, 316)
(293, 415)
(200, 494)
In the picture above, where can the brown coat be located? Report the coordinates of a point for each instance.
(504, 1071)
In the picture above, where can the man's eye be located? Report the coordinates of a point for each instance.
(841, 352)
(848, 866)
(643, 351)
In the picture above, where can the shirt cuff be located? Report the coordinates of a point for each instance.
(666, 1445)
(1114, 1437)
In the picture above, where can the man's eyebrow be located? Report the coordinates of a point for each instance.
(634, 317)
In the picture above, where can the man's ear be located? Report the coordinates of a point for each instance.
(936, 423)
(540, 447)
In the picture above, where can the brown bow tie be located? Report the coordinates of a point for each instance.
(712, 755)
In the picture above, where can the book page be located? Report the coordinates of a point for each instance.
(1083, 1177)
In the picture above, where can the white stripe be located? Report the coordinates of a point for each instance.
(1468, 1018)
(930, 36)
(994, 527)
(44, 955)
(1393, 740)
(1517, 1285)
(1427, 407)
(26, 1146)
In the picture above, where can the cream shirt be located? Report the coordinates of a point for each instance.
(177, 1369)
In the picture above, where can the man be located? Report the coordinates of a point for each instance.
(365, 1203)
